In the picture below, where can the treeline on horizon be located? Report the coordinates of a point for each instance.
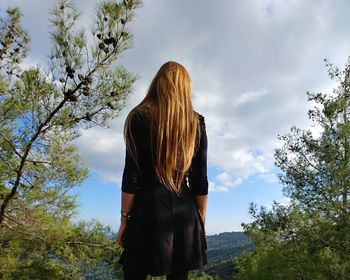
(43, 109)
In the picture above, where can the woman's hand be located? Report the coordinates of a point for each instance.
(120, 236)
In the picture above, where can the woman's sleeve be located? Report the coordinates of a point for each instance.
(131, 175)
(197, 175)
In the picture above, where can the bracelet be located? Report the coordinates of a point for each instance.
(124, 213)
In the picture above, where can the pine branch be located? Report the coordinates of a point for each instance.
(73, 242)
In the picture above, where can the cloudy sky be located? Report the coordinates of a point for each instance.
(251, 63)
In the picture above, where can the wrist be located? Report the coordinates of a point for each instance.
(124, 217)
(124, 214)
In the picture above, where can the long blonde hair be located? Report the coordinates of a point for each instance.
(174, 124)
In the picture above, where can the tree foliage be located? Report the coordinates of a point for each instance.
(310, 237)
(42, 109)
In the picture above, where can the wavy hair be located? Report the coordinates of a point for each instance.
(174, 124)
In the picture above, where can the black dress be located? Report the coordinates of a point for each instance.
(165, 232)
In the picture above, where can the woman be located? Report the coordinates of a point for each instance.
(164, 185)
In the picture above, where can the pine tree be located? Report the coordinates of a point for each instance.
(310, 237)
(42, 109)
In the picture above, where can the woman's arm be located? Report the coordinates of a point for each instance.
(127, 200)
(130, 182)
(198, 180)
(202, 202)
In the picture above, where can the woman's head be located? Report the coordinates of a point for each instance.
(174, 124)
(172, 84)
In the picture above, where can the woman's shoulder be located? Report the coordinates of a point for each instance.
(201, 118)
(142, 112)
(142, 115)
(139, 119)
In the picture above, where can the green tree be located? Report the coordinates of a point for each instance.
(310, 237)
(41, 111)
(201, 276)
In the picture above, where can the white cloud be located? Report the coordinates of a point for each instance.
(213, 187)
(223, 182)
(249, 97)
(250, 62)
(104, 150)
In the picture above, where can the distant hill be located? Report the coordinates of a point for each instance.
(221, 249)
